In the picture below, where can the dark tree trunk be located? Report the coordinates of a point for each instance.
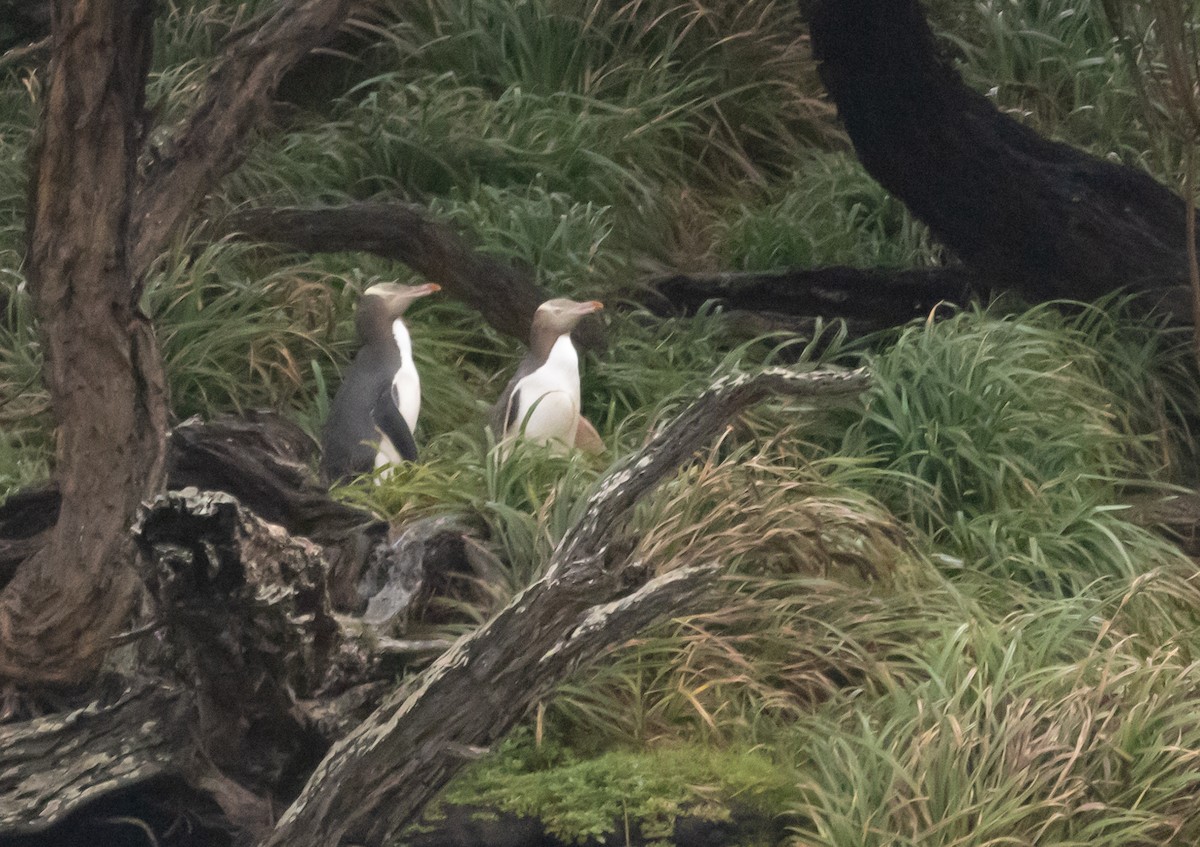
(94, 228)
(1026, 213)
(867, 300)
(103, 370)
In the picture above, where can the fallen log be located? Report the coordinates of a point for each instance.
(1023, 212)
(867, 299)
(260, 458)
(505, 295)
(377, 779)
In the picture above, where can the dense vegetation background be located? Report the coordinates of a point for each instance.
(937, 625)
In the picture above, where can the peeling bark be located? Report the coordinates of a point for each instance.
(377, 779)
(504, 295)
(51, 767)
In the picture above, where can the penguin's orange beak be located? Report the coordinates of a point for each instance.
(592, 306)
(429, 288)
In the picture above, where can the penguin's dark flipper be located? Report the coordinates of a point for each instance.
(391, 423)
(510, 416)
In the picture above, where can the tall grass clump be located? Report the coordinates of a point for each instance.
(737, 71)
(1058, 66)
(235, 335)
(829, 213)
(1036, 728)
(998, 437)
(791, 538)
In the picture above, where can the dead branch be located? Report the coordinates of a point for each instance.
(378, 778)
(868, 299)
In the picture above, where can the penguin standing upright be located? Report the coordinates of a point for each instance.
(374, 413)
(541, 401)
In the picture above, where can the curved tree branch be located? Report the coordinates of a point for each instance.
(503, 294)
(1026, 213)
(103, 370)
(211, 141)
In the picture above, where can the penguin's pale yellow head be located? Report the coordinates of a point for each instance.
(385, 302)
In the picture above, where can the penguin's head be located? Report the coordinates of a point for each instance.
(558, 316)
(384, 302)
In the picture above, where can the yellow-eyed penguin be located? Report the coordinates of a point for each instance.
(374, 413)
(541, 401)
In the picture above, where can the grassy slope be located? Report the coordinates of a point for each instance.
(936, 626)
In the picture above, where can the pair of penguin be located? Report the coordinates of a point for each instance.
(374, 413)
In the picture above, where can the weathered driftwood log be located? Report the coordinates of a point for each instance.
(266, 676)
(506, 296)
(377, 779)
(53, 766)
(1025, 213)
(867, 299)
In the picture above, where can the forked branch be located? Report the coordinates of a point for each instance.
(378, 779)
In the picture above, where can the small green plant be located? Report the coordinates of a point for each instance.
(603, 797)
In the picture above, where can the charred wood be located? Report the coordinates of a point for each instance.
(1025, 213)
(867, 299)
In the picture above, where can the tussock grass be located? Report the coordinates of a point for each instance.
(1008, 741)
(829, 213)
(1000, 437)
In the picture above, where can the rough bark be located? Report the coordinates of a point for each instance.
(103, 370)
(260, 458)
(265, 461)
(377, 779)
(237, 97)
(91, 753)
(506, 296)
(868, 299)
(242, 628)
(94, 227)
(259, 676)
(1026, 213)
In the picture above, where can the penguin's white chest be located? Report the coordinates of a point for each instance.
(406, 392)
(548, 398)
